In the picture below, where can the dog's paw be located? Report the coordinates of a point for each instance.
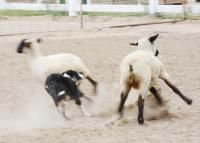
(67, 117)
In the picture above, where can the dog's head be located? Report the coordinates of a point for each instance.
(27, 44)
(75, 76)
(147, 44)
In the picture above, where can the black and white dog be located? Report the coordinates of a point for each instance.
(63, 87)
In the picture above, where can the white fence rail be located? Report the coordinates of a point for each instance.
(38, 24)
(33, 6)
(151, 9)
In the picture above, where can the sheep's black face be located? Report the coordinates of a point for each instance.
(23, 44)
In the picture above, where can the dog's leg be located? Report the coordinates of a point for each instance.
(124, 95)
(84, 111)
(82, 95)
(165, 77)
(61, 109)
(140, 110)
(93, 82)
(78, 102)
(155, 92)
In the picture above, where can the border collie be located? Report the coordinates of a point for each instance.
(64, 87)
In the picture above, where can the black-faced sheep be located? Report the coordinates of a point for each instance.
(42, 66)
(140, 71)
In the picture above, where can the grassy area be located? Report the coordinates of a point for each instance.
(14, 13)
(17, 13)
(177, 16)
(114, 14)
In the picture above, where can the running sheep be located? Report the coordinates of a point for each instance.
(140, 71)
(42, 66)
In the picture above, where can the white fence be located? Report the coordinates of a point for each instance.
(74, 6)
(38, 24)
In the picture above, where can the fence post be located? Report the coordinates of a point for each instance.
(72, 6)
(152, 6)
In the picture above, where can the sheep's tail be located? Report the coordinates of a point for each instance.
(132, 79)
(131, 68)
(131, 73)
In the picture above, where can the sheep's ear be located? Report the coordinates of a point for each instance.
(153, 38)
(21, 46)
(134, 44)
(39, 40)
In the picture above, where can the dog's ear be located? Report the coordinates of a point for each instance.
(134, 44)
(153, 38)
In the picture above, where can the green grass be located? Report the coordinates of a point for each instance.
(18, 13)
(14, 13)
(177, 16)
(113, 14)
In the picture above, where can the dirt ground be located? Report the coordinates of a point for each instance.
(27, 113)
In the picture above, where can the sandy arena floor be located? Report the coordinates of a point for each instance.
(28, 115)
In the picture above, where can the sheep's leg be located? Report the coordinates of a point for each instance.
(155, 92)
(78, 102)
(142, 93)
(61, 109)
(93, 82)
(124, 95)
(140, 110)
(165, 77)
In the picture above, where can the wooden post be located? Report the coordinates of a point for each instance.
(81, 14)
(185, 14)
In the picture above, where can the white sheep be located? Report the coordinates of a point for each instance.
(43, 66)
(140, 71)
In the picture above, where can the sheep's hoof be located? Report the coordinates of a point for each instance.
(140, 120)
(189, 101)
(120, 116)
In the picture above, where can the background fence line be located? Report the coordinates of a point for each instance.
(73, 8)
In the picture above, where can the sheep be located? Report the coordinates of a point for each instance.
(140, 71)
(42, 66)
(64, 87)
